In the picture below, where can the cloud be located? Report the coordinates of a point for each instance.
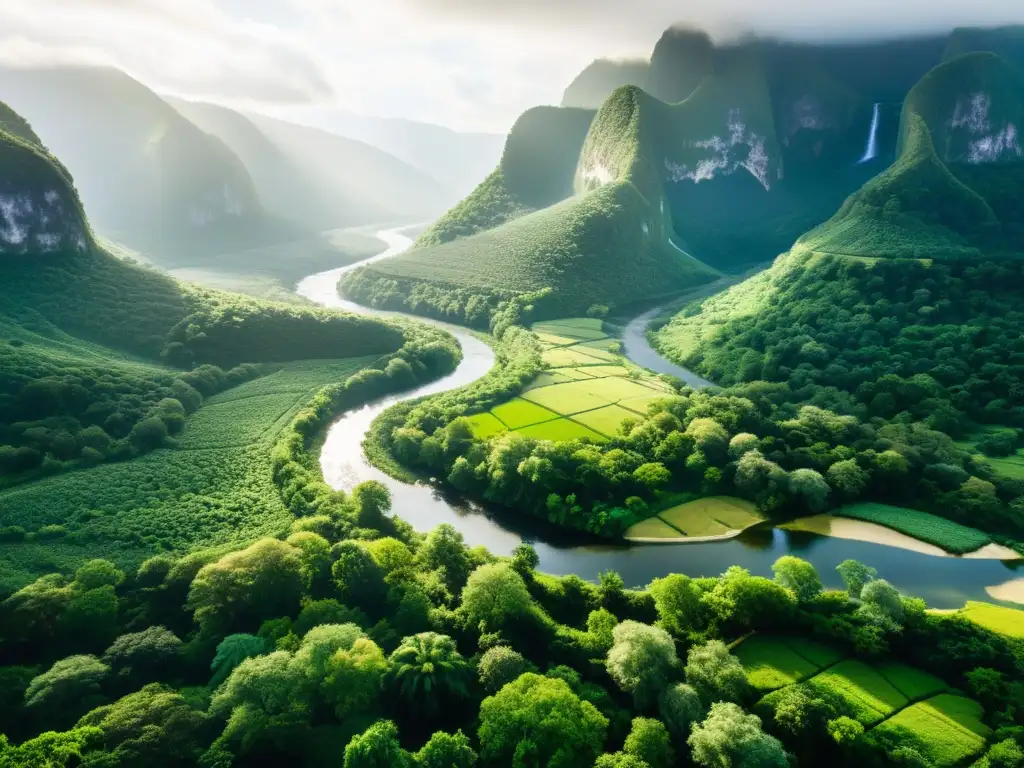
(186, 46)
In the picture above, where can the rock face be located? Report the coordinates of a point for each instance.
(39, 209)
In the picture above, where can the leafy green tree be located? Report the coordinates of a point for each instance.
(372, 501)
(50, 749)
(679, 605)
(428, 671)
(329, 611)
(499, 666)
(315, 552)
(495, 595)
(715, 673)
(155, 726)
(730, 737)
(802, 713)
(392, 555)
(446, 750)
(321, 643)
(359, 579)
(90, 617)
(1005, 754)
(232, 651)
(760, 479)
(98, 573)
(642, 661)
(746, 602)
(66, 690)
(444, 549)
(810, 487)
(354, 676)
(855, 576)
(266, 579)
(377, 747)
(652, 476)
(680, 707)
(524, 559)
(271, 684)
(799, 577)
(848, 478)
(882, 600)
(844, 730)
(649, 741)
(620, 760)
(141, 657)
(538, 721)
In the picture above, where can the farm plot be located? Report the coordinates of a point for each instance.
(559, 430)
(915, 684)
(998, 618)
(712, 516)
(770, 663)
(947, 729)
(522, 413)
(950, 536)
(868, 696)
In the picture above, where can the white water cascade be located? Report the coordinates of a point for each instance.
(871, 150)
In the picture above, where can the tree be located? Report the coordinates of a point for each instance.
(446, 750)
(154, 726)
(525, 559)
(66, 690)
(149, 434)
(648, 740)
(495, 595)
(743, 443)
(848, 478)
(144, 656)
(747, 602)
(390, 554)
(538, 721)
(844, 730)
(731, 738)
(652, 476)
(232, 651)
(377, 747)
(760, 479)
(50, 749)
(715, 673)
(429, 671)
(809, 486)
(499, 666)
(799, 577)
(802, 713)
(271, 684)
(855, 576)
(98, 573)
(882, 600)
(358, 577)
(445, 549)
(354, 676)
(642, 661)
(680, 707)
(678, 601)
(266, 579)
(1005, 754)
(321, 643)
(317, 612)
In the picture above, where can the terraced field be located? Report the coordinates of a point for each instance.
(715, 516)
(950, 536)
(587, 392)
(998, 618)
(888, 695)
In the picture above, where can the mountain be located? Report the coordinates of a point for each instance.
(681, 60)
(458, 160)
(907, 299)
(150, 177)
(316, 178)
(536, 170)
(593, 85)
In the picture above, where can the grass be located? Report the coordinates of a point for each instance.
(817, 653)
(652, 528)
(214, 488)
(519, 413)
(948, 728)
(605, 420)
(484, 425)
(950, 536)
(565, 358)
(560, 430)
(998, 618)
(771, 664)
(566, 399)
(867, 694)
(913, 683)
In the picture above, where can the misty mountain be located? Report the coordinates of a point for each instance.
(316, 178)
(456, 159)
(148, 176)
(594, 84)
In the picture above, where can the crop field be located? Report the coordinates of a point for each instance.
(915, 684)
(948, 728)
(214, 487)
(521, 413)
(587, 392)
(869, 697)
(652, 528)
(817, 653)
(713, 516)
(998, 618)
(952, 537)
(770, 663)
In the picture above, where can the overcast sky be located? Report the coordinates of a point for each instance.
(468, 64)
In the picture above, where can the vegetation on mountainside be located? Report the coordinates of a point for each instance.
(15, 124)
(582, 250)
(536, 170)
(600, 78)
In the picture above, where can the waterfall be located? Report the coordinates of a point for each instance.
(871, 150)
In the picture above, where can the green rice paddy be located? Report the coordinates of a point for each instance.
(998, 618)
(869, 697)
(948, 728)
(586, 392)
(712, 516)
(952, 537)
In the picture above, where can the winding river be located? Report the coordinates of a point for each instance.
(945, 582)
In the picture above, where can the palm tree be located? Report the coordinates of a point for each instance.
(428, 667)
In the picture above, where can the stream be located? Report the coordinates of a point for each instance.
(945, 582)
